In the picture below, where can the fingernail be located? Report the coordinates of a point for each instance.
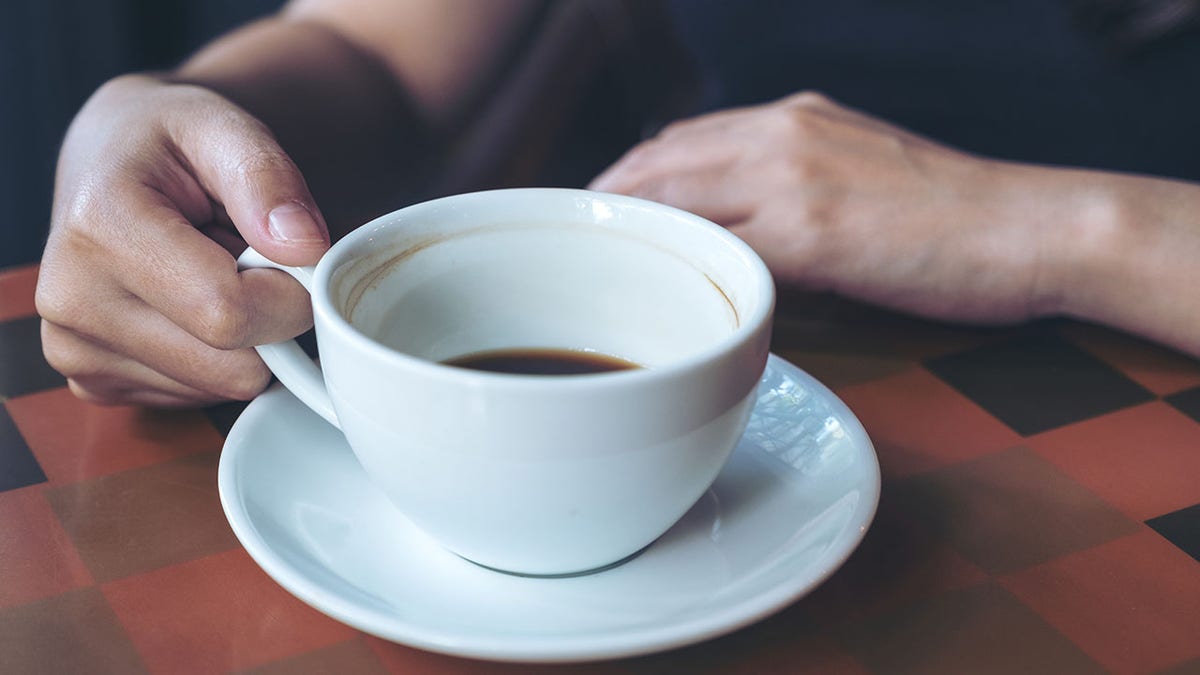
(292, 224)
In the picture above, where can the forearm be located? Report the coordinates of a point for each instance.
(338, 112)
(1115, 249)
(1140, 268)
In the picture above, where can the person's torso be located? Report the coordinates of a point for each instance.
(1016, 80)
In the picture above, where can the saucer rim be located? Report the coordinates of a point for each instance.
(630, 642)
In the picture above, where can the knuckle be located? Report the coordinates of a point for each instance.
(809, 98)
(797, 169)
(674, 128)
(221, 320)
(77, 208)
(59, 353)
(78, 220)
(797, 126)
(258, 162)
(819, 213)
(642, 153)
(51, 302)
(64, 298)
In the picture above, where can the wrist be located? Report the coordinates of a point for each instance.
(1090, 243)
(1136, 267)
(1071, 222)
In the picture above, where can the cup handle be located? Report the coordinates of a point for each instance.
(300, 374)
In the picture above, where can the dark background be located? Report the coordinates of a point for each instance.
(52, 56)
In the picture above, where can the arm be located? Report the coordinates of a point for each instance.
(1139, 263)
(139, 292)
(362, 94)
(835, 200)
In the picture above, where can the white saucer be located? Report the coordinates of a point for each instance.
(789, 507)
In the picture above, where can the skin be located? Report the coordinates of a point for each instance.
(162, 178)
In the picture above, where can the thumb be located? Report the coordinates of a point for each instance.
(240, 164)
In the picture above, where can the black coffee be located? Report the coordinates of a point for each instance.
(541, 362)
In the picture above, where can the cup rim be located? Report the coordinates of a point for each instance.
(749, 323)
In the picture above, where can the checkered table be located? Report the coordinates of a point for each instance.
(1040, 514)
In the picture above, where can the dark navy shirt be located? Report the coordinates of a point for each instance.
(1015, 79)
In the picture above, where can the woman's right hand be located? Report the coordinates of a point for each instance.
(139, 291)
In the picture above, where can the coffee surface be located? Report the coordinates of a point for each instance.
(541, 362)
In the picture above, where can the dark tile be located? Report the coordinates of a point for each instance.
(1181, 528)
(1038, 381)
(23, 369)
(977, 630)
(1188, 402)
(147, 518)
(18, 466)
(75, 632)
(1010, 510)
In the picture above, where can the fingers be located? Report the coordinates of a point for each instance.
(238, 161)
(704, 191)
(139, 287)
(194, 281)
(102, 376)
(91, 339)
(700, 168)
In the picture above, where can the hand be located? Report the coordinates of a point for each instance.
(139, 291)
(835, 200)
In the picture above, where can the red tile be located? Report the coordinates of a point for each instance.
(217, 614)
(16, 292)
(75, 441)
(1143, 460)
(1156, 368)
(1132, 604)
(37, 559)
(919, 423)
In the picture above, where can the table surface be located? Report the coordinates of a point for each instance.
(1040, 513)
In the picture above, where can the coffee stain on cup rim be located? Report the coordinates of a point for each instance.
(372, 279)
(737, 319)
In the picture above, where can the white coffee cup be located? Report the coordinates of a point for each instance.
(540, 475)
